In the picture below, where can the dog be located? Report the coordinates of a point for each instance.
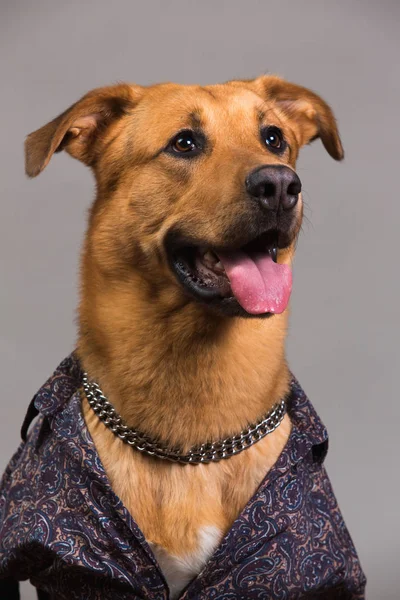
(185, 284)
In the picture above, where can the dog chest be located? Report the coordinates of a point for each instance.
(180, 569)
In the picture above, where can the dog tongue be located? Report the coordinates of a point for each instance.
(258, 283)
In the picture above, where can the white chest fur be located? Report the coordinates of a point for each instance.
(178, 570)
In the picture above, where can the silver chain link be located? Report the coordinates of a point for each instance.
(208, 452)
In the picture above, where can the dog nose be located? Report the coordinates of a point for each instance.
(274, 186)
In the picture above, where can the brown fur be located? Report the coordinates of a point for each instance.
(172, 368)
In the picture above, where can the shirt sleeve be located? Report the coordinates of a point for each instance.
(22, 549)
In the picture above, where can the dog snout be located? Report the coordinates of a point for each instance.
(274, 187)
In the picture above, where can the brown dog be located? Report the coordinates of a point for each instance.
(193, 229)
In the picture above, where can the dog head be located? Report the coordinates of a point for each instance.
(197, 194)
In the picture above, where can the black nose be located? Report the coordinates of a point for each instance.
(274, 186)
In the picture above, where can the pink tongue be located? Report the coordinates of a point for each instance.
(258, 283)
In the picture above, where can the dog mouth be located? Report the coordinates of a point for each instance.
(249, 275)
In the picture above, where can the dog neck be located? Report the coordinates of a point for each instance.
(170, 367)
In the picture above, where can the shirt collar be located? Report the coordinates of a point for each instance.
(308, 431)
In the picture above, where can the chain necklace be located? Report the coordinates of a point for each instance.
(205, 453)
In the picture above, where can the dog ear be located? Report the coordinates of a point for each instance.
(314, 117)
(79, 128)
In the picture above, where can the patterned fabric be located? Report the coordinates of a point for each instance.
(63, 527)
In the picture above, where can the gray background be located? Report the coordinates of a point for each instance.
(343, 342)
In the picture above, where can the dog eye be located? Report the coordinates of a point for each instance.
(185, 144)
(273, 138)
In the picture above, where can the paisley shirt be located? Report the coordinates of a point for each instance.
(63, 527)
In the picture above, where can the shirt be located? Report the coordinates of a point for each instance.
(63, 527)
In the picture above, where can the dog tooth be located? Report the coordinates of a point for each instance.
(210, 256)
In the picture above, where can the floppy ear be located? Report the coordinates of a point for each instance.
(78, 129)
(312, 114)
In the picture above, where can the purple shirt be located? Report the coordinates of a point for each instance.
(63, 527)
